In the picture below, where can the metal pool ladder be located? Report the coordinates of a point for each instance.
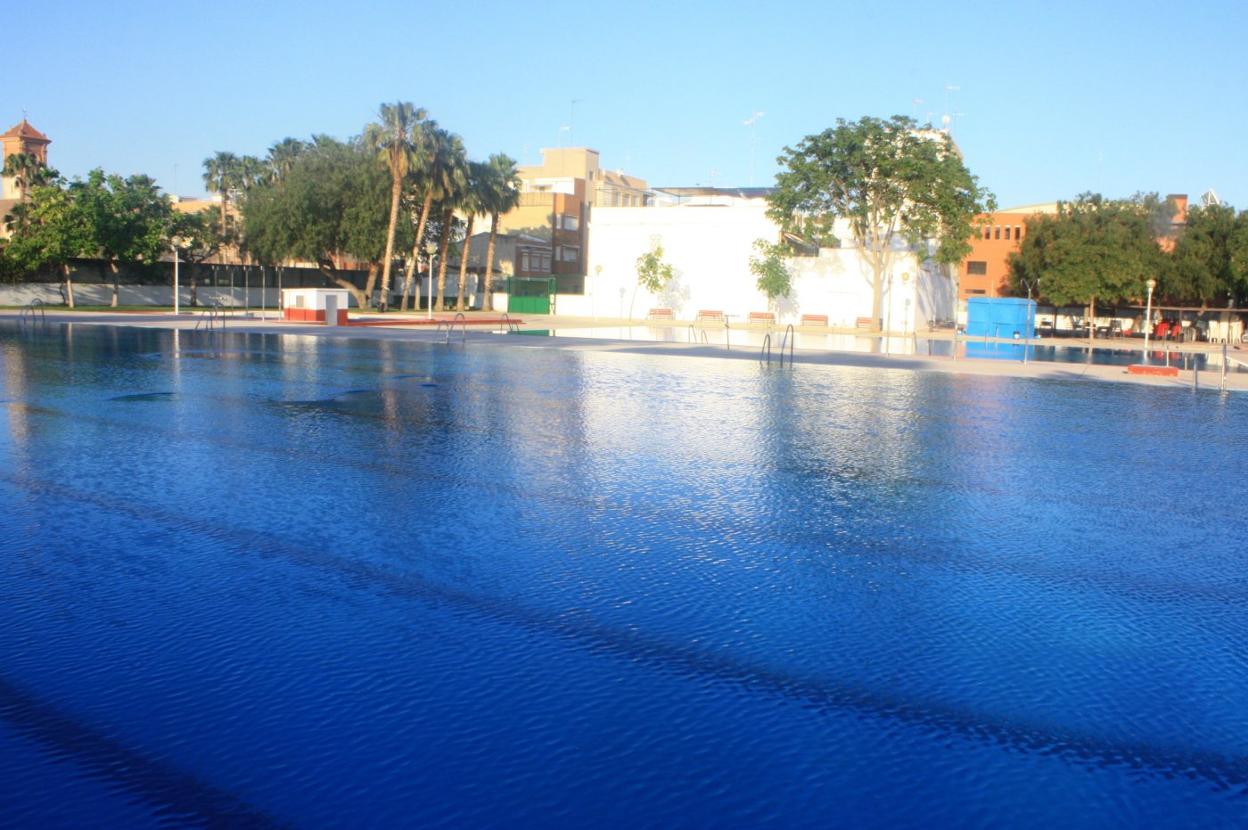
(449, 327)
(764, 354)
(32, 311)
(512, 326)
(693, 335)
(214, 316)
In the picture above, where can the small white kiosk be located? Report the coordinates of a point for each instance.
(315, 305)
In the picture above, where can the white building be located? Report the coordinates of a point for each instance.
(707, 237)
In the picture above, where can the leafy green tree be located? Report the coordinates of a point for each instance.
(892, 181)
(502, 194)
(394, 140)
(197, 237)
(769, 266)
(45, 233)
(1091, 249)
(653, 274)
(1202, 267)
(126, 221)
(330, 208)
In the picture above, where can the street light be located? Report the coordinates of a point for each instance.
(1148, 316)
(173, 243)
(429, 292)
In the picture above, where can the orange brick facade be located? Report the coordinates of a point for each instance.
(985, 271)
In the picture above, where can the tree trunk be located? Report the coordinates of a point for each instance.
(370, 282)
(224, 203)
(194, 286)
(415, 260)
(446, 243)
(1092, 319)
(112, 266)
(463, 266)
(337, 280)
(396, 188)
(487, 297)
(69, 287)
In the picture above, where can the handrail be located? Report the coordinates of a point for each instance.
(765, 352)
(789, 336)
(450, 327)
(28, 310)
(727, 335)
(214, 315)
(512, 326)
(695, 332)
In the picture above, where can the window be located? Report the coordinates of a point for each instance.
(976, 268)
(570, 223)
(987, 232)
(1018, 232)
(976, 291)
(996, 231)
(1007, 233)
(568, 253)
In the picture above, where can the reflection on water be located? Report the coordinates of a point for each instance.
(342, 582)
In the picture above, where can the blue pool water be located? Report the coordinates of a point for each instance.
(253, 580)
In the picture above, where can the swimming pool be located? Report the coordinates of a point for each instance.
(1121, 353)
(261, 579)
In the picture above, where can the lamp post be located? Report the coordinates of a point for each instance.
(429, 292)
(1148, 316)
(1030, 324)
(174, 245)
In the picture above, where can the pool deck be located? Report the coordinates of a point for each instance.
(485, 333)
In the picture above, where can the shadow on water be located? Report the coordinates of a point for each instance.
(177, 797)
(577, 625)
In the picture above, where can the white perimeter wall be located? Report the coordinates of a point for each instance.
(709, 248)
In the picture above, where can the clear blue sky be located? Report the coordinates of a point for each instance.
(1051, 99)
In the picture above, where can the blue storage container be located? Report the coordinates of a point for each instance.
(1000, 316)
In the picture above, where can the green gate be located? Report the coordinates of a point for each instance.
(530, 295)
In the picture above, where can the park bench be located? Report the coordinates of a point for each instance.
(762, 317)
(815, 320)
(708, 314)
(661, 314)
(864, 323)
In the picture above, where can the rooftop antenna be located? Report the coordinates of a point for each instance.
(946, 120)
(751, 122)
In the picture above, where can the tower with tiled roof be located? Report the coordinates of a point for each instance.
(21, 138)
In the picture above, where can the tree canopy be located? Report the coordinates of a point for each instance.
(768, 265)
(1091, 249)
(1209, 263)
(333, 203)
(890, 181)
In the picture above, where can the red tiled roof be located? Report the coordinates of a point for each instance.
(24, 130)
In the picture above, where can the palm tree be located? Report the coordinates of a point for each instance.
(282, 157)
(502, 196)
(393, 142)
(432, 174)
(221, 175)
(25, 169)
(474, 201)
(454, 193)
